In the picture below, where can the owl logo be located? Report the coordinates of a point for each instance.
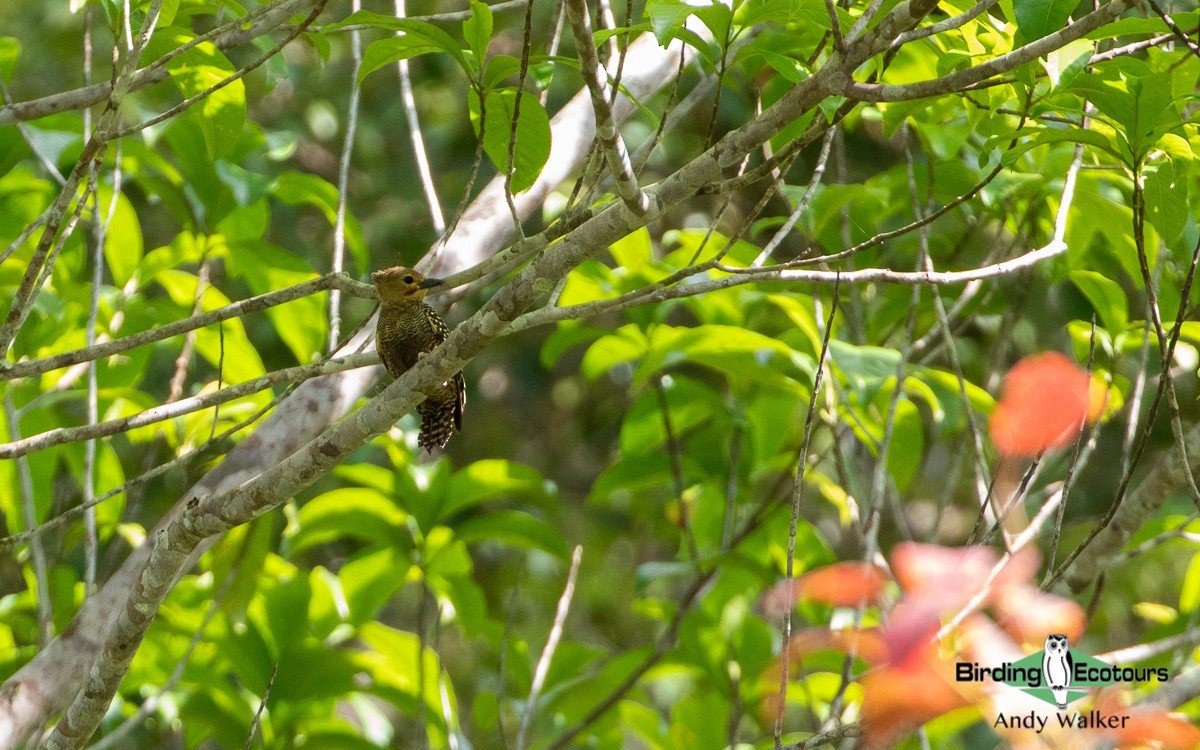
(1057, 667)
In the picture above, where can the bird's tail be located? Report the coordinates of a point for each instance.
(439, 417)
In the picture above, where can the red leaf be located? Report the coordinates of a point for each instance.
(1045, 400)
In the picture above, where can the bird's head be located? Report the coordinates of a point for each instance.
(401, 284)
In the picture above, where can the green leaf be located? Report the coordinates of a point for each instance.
(1107, 298)
(698, 721)
(691, 405)
(354, 512)
(299, 188)
(1034, 137)
(220, 113)
(667, 18)
(301, 323)
(633, 250)
(369, 580)
(10, 50)
(865, 368)
(809, 13)
(228, 348)
(1133, 97)
(1166, 193)
(420, 38)
(478, 30)
(487, 480)
(123, 240)
(625, 344)
(513, 527)
(568, 334)
(533, 134)
(907, 447)
(742, 354)
(1039, 18)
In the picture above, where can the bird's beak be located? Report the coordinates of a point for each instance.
(427, 283)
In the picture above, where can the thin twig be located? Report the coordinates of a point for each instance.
(234, 310)
(29, 519)
(802, 206)
(63, 435)
(543, 665)
(415, 135)
(797, 495)
(261, 705)
(338, 259)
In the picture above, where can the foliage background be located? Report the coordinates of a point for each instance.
(661, 438)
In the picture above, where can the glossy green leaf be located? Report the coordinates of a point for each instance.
(297, 188)
(220, 113)
(419, 38)
(369, 580)
(301, 323)
(1167, 206)
(353, 512)
(10, 50)
(532, 134)
(1039, 18)
(514, 528)
(623, 345)
(1107, 298)
(487, 480)
(123, 238)
(632, 251)
(738, 352)
(230, 348)
(478, 30)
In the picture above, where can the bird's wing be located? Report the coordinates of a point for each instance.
(440, 331)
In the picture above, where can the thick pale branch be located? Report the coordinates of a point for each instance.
(613, 144)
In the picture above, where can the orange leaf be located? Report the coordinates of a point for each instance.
(1044, 402)
(898, 699)
(1147, 726)
(1028, 615)
(946, 573)
(846, 584)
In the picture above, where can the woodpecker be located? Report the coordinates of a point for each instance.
(407, 329)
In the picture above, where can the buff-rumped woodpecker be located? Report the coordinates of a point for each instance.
(407, 329)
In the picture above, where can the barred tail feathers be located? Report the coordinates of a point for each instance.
(441, 415)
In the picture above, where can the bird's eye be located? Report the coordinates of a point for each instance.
(408, 279)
